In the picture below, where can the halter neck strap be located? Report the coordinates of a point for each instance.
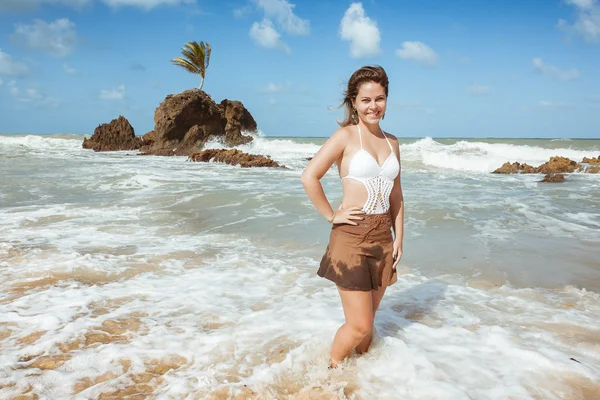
(384, 135)
(359, 136)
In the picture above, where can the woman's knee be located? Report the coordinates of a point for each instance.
(362, 327)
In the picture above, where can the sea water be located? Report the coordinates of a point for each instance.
(153, 277)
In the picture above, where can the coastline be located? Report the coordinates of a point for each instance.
(325, 137)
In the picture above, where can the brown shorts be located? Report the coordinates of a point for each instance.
(360, 257)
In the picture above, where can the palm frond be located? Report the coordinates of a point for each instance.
(196, 58)
(186, 64)
(207, 56)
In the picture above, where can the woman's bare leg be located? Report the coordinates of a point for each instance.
(358, 310)
(377, 295)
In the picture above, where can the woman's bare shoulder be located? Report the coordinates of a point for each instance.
(342, 133)
(340, 137)
(391, 136)
(394, 141)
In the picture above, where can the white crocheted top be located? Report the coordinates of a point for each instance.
(378, 180)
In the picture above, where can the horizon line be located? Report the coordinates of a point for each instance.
(326, 137)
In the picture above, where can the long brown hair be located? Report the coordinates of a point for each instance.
(368, 73)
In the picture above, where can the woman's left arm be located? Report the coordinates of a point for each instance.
(397, 211)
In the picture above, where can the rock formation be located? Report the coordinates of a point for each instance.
(183, 124)
(238, 120)
(556, 165)
(234, 157)
(593, 165)
(148, 138)
(553, 178)
(116, 135)
(591, 161)
(185, 121)
(515, 168)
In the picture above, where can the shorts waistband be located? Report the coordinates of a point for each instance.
(372, 226)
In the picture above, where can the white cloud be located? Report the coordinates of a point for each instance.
(587, 20)
(361, 31)
(272, 101)
(31, 95)
(275, 88)
(10, 67)
(117, 93)
(553, 72)
(69, 70)
(417, 51)
(283, 13)
(145, 4)
(479, 89)
(264, 34)
(58, 37)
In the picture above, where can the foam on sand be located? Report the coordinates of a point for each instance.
(227, 322)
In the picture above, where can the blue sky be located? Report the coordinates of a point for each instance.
(462, 68)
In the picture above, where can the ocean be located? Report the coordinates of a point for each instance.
(124, 276)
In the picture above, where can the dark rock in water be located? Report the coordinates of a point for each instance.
(238, 119)
(234, 157)
(148, 138)
(185, 121)
(556, 165)
(514, 168)
(553, 178)
(590, 165)
(114, 136)
(591, 161)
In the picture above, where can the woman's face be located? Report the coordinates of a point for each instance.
(370, 102)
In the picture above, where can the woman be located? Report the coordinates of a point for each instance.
(362, 255)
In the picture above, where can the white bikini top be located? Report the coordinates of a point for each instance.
(378, 180)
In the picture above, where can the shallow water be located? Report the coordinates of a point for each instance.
(158, 278)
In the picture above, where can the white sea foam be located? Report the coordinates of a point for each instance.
(468, 156)
(285, 151)
(217, 265)
(428, 333)
(482, 157)
(27, 143)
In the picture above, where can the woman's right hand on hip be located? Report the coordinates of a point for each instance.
(348, 216)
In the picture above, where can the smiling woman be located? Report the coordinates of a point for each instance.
(362, 254)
